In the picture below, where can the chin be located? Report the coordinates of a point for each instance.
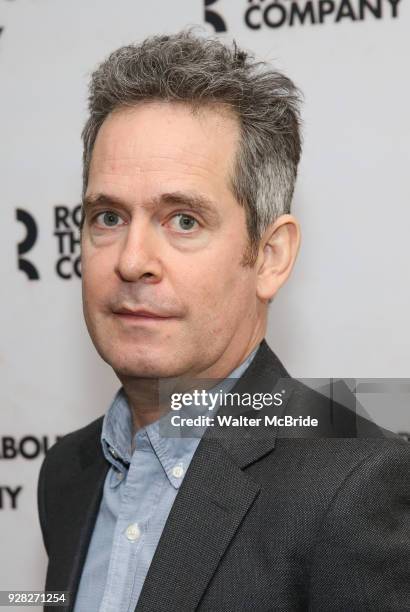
(141, 371)
(149, 358)
(144, 367)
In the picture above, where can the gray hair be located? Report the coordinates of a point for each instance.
(185, 68)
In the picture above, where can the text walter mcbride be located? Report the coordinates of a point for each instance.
(243, 421)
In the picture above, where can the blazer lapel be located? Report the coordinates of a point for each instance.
(212, 501)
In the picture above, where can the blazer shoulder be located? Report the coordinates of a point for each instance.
(337, 413)
(68, 445)
(334, 405)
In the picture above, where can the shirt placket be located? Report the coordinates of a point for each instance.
(137, 505)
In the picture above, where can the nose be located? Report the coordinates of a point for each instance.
(138, 257)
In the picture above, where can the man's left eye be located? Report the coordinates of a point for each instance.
(184, 222)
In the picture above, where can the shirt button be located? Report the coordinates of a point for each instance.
(133, 532)
(177, 471)
(119, 475)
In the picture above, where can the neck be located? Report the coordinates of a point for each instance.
(143, 394)
(143, 398)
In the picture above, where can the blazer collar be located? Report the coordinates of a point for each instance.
(266, 374)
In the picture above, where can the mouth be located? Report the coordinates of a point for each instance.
(141, 315)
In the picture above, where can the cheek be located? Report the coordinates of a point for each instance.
(219, 294)
(96, 274)
(97, 261)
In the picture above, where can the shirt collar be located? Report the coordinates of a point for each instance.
(116, 432)
(174, 453)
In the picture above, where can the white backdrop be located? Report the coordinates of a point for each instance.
(344, 312)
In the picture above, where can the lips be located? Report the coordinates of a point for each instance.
(142, 313)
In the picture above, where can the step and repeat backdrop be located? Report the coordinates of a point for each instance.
(345, 311)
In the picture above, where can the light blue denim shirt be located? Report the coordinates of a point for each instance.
(139, 490)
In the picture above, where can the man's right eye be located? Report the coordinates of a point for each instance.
(108, 219)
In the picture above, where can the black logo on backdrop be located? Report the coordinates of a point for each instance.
(67, 231)
(8, 497)
(214, 18)
(27, 244)
(26, 447)
(279, 13)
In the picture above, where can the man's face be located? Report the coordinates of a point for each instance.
(165, 291)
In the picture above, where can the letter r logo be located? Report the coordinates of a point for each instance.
(213, 18)
(25, 245)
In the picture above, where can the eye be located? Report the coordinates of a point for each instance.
(184, 222)
(108, 219)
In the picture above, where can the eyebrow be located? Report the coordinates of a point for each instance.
(192, 201)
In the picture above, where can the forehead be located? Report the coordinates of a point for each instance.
(156, 142)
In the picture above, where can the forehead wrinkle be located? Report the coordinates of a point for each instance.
(182, 181)
(112, 164)
(120, 155)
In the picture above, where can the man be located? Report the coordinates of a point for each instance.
(190, 159)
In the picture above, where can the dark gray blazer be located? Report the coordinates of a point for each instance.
(264, 520)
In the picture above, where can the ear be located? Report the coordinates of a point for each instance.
(278, 249)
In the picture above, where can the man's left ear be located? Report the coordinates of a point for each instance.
(277, 254)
